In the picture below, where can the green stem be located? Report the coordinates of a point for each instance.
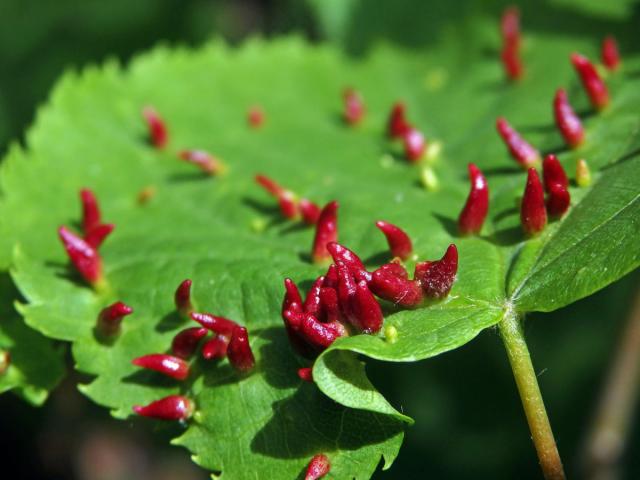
(527, 382)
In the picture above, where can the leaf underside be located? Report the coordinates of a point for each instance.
(226, 235)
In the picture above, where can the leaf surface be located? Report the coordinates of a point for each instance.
(226, 235)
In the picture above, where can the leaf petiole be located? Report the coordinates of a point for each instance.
(513, 338)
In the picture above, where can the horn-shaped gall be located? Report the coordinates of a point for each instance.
(366, 313)
(318, 467)
(521, 151)
(291, 295)
(391, 283)
(510, 26)
(173, 407)
(83, 256)
(511, 62)
(182, 298)
(186, 341)
(287, 200)
(399, 242)
(326, 232)
(168, 365)
(610, 54)
(436, 277)
(98, 234)
(239, 350)
(583, 173)
(354, 108)
(110, 318)
(415, 145)
(342, 254)
(397, 125)
(329, 304)
(158, 134)
(216, 324)
(533, 214)
(90, 210)
(591, 81)
(553, 173)
(216, 347)
(310, 211)
(206, 162)
(567, 121)
(475, 210)
(558, 200)
(312, 300)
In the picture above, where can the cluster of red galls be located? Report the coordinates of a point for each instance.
(228, 339)
(343, 300)
(512, 42)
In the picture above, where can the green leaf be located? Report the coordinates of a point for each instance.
(206, 229)
(37, 364)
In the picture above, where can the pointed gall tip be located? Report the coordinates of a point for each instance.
(168, 365)
(397, 124)
(437, 277)
(206, 162)
(218, 325)
(326, 232)
(90, 210)
(415, 145)
(533, 214)
(583, 173)
(182, 298)
(399, 242)
(609, 54)
(158, 134)
(593, 85)
(173, 407)
(475, 210)
(566, 120)
(519, 149)
(269, 185)
(310, 211)
(98, 235)
(239, 350)
(83, 256)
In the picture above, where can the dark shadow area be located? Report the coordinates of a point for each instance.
(309, 410)
(556, 151)
(449, 224)
(196, 176)
(547, 128)
(149, 378)
(276, 354)
(497, 171)
(506, 237)
(172, 321)
(505, 213)
(378, 258)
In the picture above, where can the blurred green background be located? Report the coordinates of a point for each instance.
(469, 422)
